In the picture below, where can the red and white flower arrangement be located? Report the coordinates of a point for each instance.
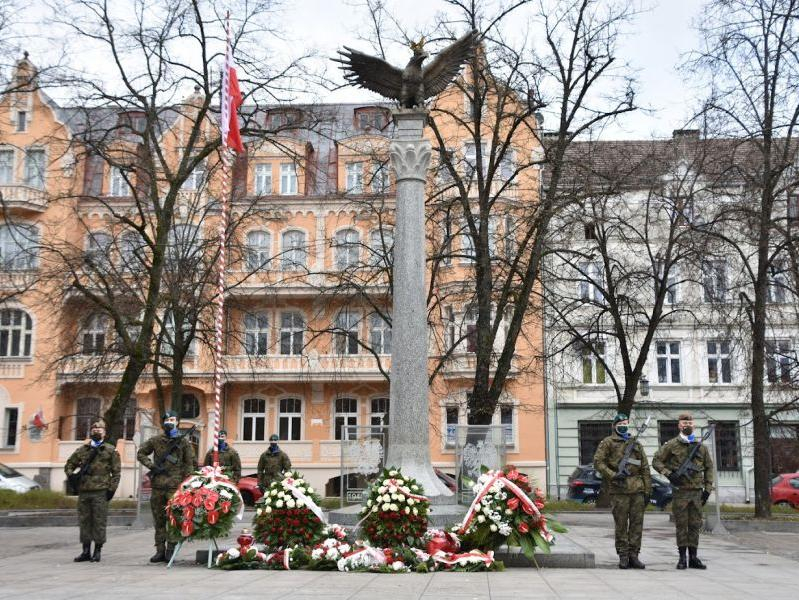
(204, 506)
(325, 556)
(288, 514)
(395, 512)
(246, 556)
(506, 510)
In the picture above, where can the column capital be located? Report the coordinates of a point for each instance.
(410, 159)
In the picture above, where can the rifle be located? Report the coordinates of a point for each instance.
(688, 466)
(74, 479)
(158, 467)
(623, 470)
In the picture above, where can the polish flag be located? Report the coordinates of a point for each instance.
(231, 100)
(38, 420)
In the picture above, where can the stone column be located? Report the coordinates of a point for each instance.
(409, 428)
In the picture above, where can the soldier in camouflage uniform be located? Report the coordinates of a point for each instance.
(172, 462)
(628, 495)
(272, 463)
(228, 458)
(690, 492)
(98, 465)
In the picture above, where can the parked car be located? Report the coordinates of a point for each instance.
(585, 483)
(11, 479)
(785, 490)
(248, 486)
(447, 479)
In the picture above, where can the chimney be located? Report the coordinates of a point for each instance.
(685, 134)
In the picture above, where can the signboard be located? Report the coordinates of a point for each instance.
(363, 452)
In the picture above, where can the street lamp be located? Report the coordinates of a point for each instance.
(644, 386)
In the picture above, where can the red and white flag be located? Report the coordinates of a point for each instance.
(231, 100)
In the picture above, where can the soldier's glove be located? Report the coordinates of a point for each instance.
(110, 494)
(705, 496)
(618, 477)
(674, 479)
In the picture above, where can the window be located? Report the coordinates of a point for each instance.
(443, 174)
(470, 156)
(346, 416)
(470, 321)
(346, 336)
(381, 246)
(506, 420)
(779, 361)
(183, 244)
(777, 282)
(259, 250)
(289, 420)
(714, 280)
(86, 411)
(371, 119)
(510, 238)
(118, 185)
(593, 367)
(171, 338)
(449, 318)
(719, 365)
(354, 177)
(94, 332)
(22, 121)
(667, 430)
(263, 179)
(131, 251)
(129, 420)
(380, 181)
(446, 242)
(671, 283)
(451, 425)
(256, 329)
(668, 361)
(347, 248)
(196, 179)
(590, 433)
(292, 330)
(378, 417)
(34, 168)
(98, 250)
(507, 166)
(793, 207)
(727, 447)
(10, 425)
(6, 167)
(467, 242)
(189, 407)
(18, 247)
(293, 254)
(288, 179)
(592, 281)
(589, 230)
(379, 334)
(16, 331)
(253, 422)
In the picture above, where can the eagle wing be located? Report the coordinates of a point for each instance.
(371, 72)
(447, 63)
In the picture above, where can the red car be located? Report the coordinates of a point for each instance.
(248, 486)
(785, 490)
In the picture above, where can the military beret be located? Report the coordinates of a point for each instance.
(274, 437)
(222, 432)
(168, 414)
(99, 423)
(620, 417)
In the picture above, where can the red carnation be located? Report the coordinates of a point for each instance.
(513, 503)
(523, 527)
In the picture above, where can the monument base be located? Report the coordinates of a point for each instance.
(439, 515)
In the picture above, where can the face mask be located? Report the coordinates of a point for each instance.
(169, 427)
(687, 430)
(222, 445)
(622, 429)
(97, 437)
(273, 445)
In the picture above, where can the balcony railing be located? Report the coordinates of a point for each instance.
(309, 367)
(23, 196)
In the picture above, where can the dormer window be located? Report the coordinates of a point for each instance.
(371, 119)
(133, 120)
(277, 119)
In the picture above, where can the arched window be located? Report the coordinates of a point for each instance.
(86, 411)
(293, 251)
(289, 421)
(16, 332)
(94, 334)
(381, 246)
(256, 329)
(253, 426)
(98, 249)
(259, 249)
(132, 249)
(347, 247)
(189, 406)
(18, 247)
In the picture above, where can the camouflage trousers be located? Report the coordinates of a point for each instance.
(158, 499)
(628, 515)
(92, 516)
(687, 510)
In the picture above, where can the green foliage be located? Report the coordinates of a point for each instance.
(48, 499)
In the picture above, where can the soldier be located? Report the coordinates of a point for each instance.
(272, 463)
(96, 468)
(629, 493)
(691, 491)
(172, 462)
(228, 458)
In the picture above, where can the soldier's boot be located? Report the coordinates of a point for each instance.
(86, 554)
(693, 560)
(635, 563)
(624, 561)
(159, 555)
(170, 551)
(682, 564)
(97, 549)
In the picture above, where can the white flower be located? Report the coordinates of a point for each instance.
(258, 511)
(411, 501)
(273, 492)
(394, 508)
(369, 502)
(268, 509)
(392, 489)
(386, 498)
(398, 565)
(407, 510)
(374, 508)
(382, 489)
(492, 527)
(282, 495)
(392, 473)
(400, 498)
(310, 490)
(478, 508)
(233, 553)
(394, 496)
(332, 554)
(386, 507)
(476, 488)
(415, 487)
(505, 529)
(400, 482)
(299, 482)
(415, 512)
(290, 503)
(344, 548)
(317, 553)
(508, 511)
(300, 504)
(481, 519)
(195, 483)
(279, 504)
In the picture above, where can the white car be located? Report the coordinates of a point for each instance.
(11, 479)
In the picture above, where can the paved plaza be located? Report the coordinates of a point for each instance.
(37, 563)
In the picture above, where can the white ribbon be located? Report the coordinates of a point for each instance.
(299, 495)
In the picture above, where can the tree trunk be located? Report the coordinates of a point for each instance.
(114, 416)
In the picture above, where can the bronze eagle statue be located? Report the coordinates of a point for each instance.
(412, 85)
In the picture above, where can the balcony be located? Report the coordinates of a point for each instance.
(311, 367)
(24, 197)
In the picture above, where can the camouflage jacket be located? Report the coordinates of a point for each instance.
(228, 459)
(176, 465)
(606, 461)
(271, 466)
(672, 454)
(103, 472)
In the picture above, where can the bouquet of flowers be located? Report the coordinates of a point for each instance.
(503, 511)
(395, 513)
(438, 539)
(246, 556)
(288, 514)
(473, 560)
(325, 556)
(204, 506)
(287, 558)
